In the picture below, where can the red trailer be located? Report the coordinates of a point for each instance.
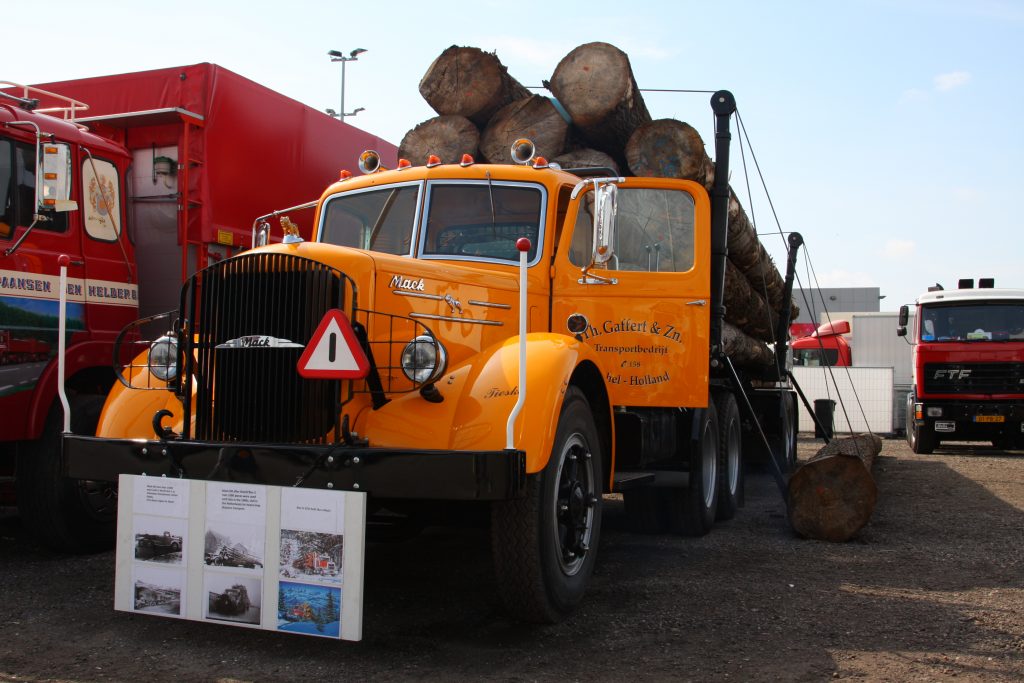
(211, 151)
(140, 179)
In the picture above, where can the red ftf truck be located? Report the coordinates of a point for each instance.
(968, 366)
(141, 179)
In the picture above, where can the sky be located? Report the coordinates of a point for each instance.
(887, 132)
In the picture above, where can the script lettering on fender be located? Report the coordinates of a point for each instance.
(502, 393)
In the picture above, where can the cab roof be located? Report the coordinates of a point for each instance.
(970, 295)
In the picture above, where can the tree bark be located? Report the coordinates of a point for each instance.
(586, 158)
(668, 148)
(595, 85)
(533, 117)
(745, 351)
(466, 81)
(449, 137)
(832, 495)
(745, 308)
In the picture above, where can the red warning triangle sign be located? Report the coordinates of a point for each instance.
(333, 352)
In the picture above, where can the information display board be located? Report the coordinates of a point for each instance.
(268, 557)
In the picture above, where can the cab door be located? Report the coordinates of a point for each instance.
(648, 305)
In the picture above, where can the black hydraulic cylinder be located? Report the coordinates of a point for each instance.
(785, 315)
(723, 104)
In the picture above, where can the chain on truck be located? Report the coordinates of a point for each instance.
(490, 337)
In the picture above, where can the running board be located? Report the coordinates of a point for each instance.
(630, 480)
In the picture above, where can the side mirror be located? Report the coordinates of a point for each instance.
(904, 315)
(605, 204)
(901, 331)
(54, 173)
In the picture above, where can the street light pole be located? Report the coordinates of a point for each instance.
(337, 56)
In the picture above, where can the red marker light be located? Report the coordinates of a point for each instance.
(540, 162)
(433, 160)
(344, 175)
(467, 160)
(403, 163)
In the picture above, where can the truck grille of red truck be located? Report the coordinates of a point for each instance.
(974, 378)
(249, 319)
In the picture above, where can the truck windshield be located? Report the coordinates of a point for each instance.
(973, 322)
(815, 357)
(481, 221)
(376, 220)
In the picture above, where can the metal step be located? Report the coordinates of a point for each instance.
(626, 480)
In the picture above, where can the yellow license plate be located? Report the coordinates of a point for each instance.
(989, 418)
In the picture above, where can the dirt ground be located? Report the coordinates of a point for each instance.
(933, 589)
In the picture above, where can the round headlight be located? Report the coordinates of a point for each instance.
(423, 359)
(163, 358)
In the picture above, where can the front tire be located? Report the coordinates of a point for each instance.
(64, 514)
(920, 440)
(544, 545)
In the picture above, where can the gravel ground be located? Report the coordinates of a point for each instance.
(931, 590)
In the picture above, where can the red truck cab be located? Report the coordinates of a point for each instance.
(968, 367)
(823, 347)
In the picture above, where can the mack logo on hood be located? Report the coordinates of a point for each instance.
(259, 341)
(399, 282)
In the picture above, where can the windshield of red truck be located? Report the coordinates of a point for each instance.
(970, 322)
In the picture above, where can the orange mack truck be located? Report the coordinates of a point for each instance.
(492, 336)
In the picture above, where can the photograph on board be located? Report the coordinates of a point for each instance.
(308, 609)
(157, 590)
(227, 544)
(233, 597)
(311, 556)
(160, 539)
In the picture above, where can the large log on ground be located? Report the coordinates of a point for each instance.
(586, 158)
(449, 137)
(832, 495)
(532, 117)
(595, 85)
(745, 308)
(466, 81)
(672, 149)
(744, 350)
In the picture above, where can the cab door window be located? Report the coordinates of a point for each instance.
(18, 191)
(653, 231)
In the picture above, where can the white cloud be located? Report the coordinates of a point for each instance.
(953, 79)
(897, 249)
(968, 195)
(513, 49)
(845, 278)
(913, 95)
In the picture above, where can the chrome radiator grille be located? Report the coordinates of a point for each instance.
(245, 323)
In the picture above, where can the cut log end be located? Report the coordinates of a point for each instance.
(532, 117)
(448, 137)
(831, 498)
(466, 81)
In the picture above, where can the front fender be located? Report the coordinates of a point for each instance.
(479, 396)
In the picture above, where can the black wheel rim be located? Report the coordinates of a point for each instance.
(575, 503)
(99, 499)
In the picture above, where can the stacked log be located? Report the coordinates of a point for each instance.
(832, 495)
(466, 81)
(595, 85)
(597, 118)
(448, 137)
(532, 117)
